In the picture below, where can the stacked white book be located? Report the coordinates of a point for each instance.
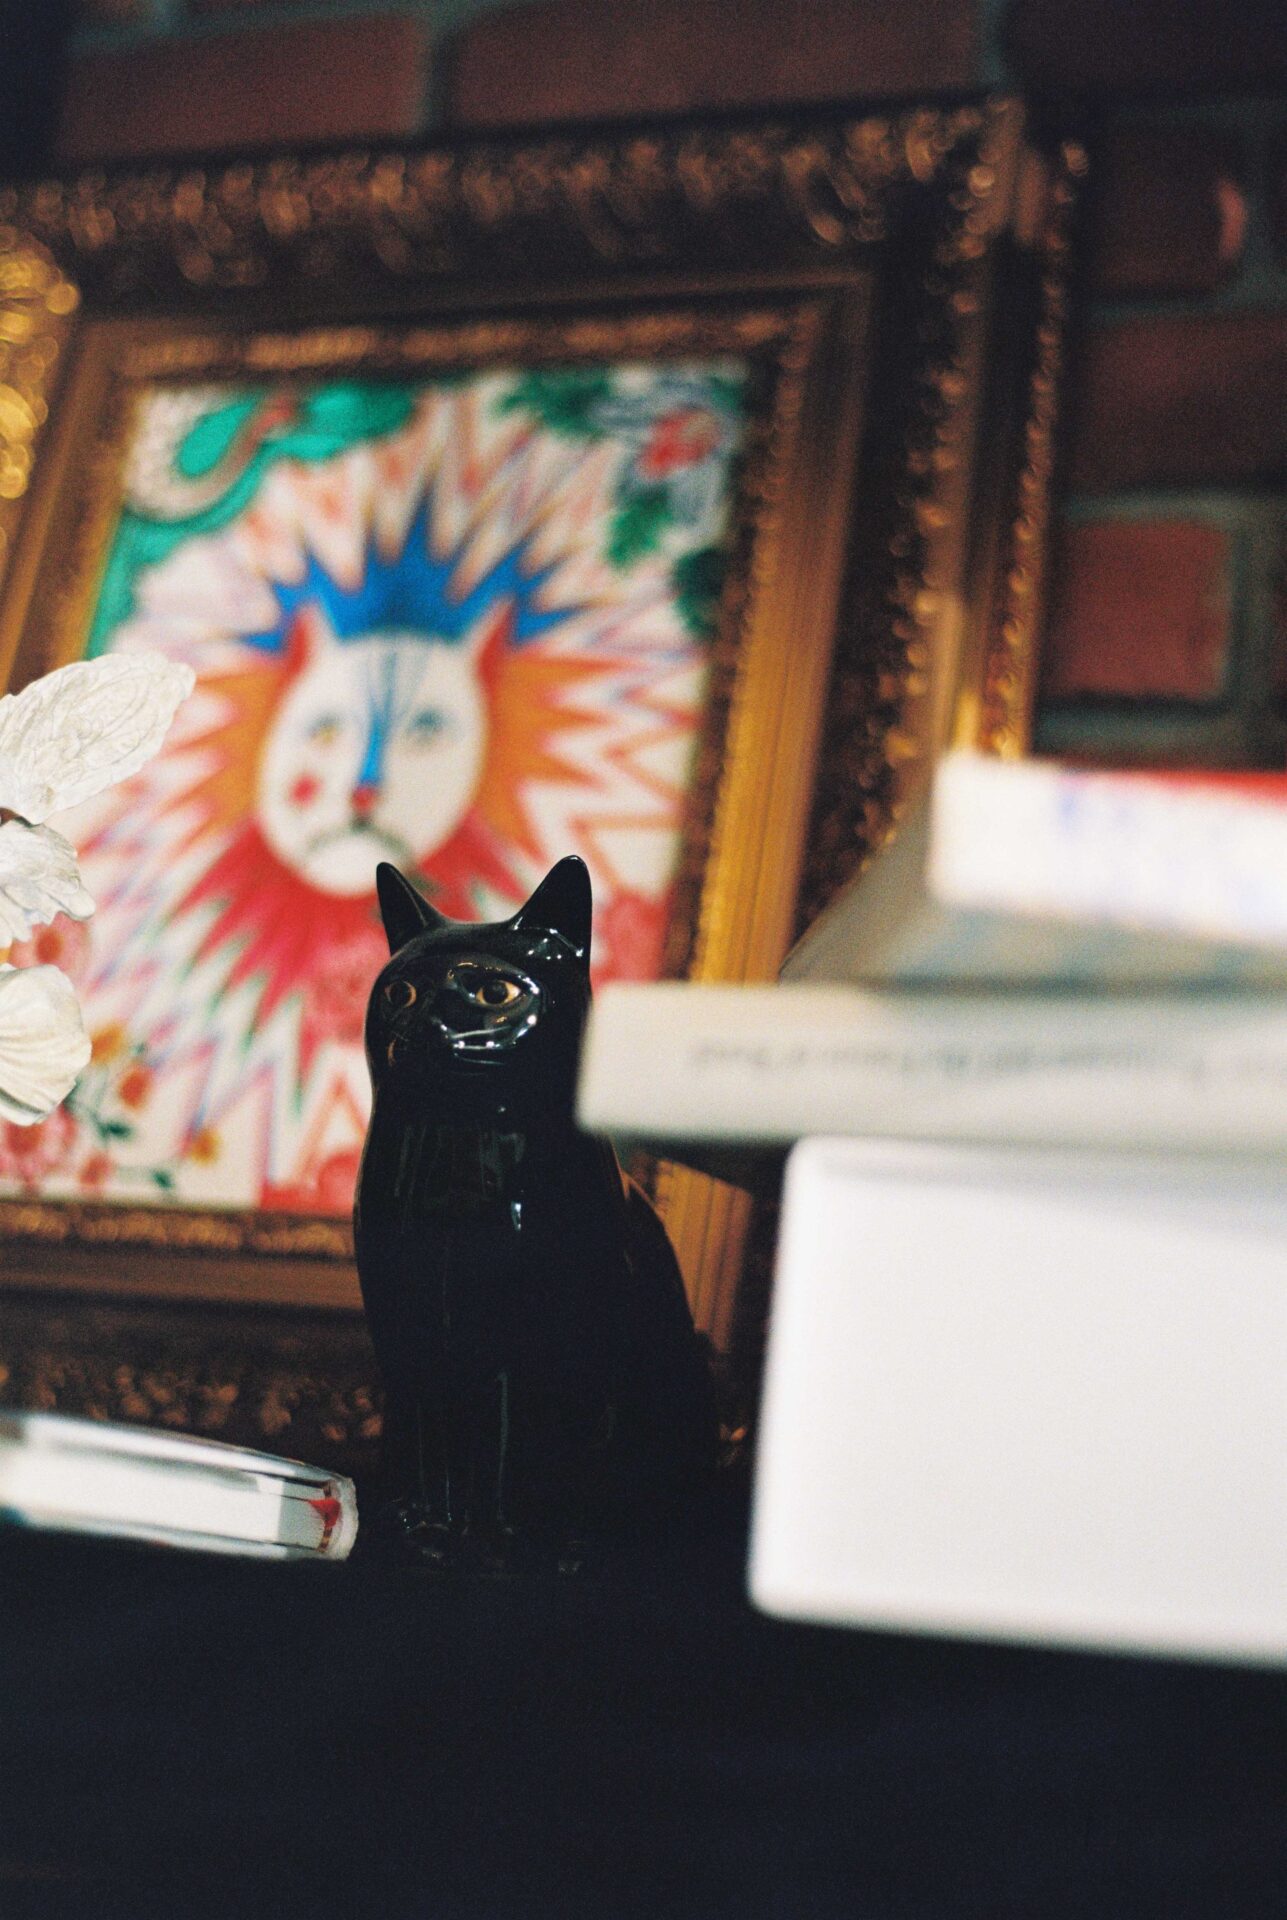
(1040, 954)
(170, 1489)
(1028, 1352)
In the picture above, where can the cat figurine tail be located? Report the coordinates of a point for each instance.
(543, 1379)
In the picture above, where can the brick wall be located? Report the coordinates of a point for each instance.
(1167, 635)
(150, 77)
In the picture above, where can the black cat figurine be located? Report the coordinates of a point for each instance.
(542, 1376)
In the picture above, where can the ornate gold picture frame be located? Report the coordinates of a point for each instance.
(870, 286)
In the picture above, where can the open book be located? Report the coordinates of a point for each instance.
(85, 1476)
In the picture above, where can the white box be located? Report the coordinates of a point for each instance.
(1029, 1395)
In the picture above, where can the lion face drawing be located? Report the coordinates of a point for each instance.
(461, 626)
(374, 752)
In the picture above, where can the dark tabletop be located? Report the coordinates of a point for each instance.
(186, 1735)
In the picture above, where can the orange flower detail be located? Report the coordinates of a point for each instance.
(679, 439)
(49, 946)
(108, 1042)
(95, 1171)
(136, 1084)
(63, 943)
(27, 1154)
(204, 1146)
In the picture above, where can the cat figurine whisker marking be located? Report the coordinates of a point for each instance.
(542, 1375)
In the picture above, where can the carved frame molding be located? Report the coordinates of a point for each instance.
(413, 257)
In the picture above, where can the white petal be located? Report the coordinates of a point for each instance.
(43, 1043)
(66, 737)
(38, 878)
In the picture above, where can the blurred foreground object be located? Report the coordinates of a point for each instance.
(170, 1489)
(1028, 1396)
(1033, 871)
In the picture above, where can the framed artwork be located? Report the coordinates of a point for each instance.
(603, 494)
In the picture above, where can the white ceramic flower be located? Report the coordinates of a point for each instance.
(66, 737)
(62, 740)
(39, 877)
(43, 1043)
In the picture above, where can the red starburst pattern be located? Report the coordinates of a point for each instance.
(629, 936)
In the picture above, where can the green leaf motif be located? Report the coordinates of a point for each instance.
(699, 582)
(727, 392)
(637, 526)
(213, 437)
(329, 420)
(563, 399)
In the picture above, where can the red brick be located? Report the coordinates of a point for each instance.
(1171, 212)
(1203, 46)
(206, 7)
(580, 59)
(1194, 399)
(112, 13)
(1278, 616)
(346, 79)
(1278, 198)
(1138, 609)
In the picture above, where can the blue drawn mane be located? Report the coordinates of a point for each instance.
(414, 592)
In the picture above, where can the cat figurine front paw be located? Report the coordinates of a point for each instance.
(543, 1380)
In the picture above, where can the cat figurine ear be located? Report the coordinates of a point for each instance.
(562, 903)
(405, 912)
